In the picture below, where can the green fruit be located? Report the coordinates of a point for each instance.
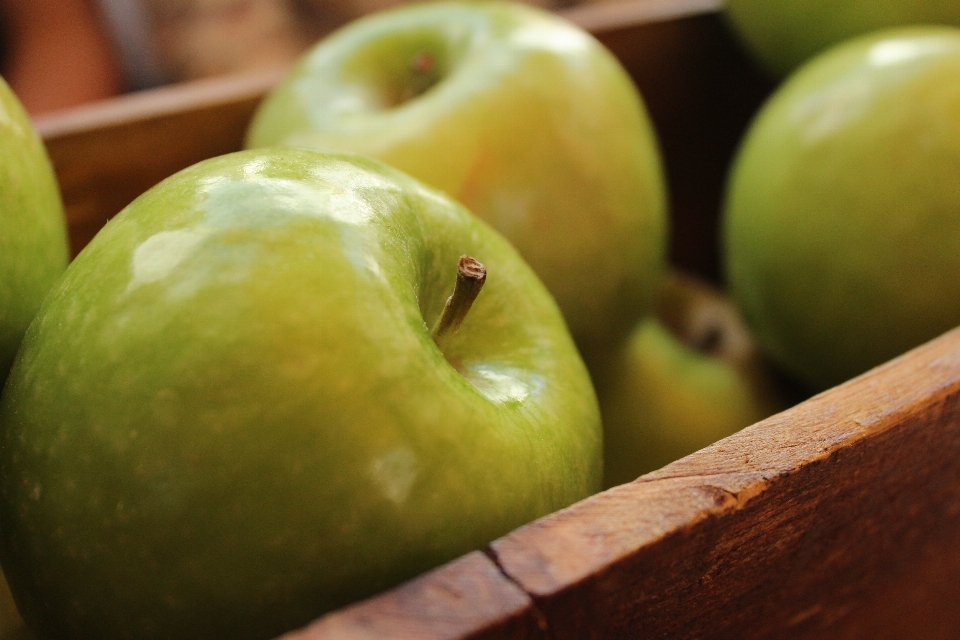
(516, 113)
(782, 34)
(842, 221)
(687, 377)
(230, 416)
(33, 236)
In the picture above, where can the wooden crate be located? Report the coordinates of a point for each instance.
(839, 518)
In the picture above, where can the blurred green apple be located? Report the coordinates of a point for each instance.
(782, 34)
(689, 376)
(842, 219)
(230, 415)
(33, 236)
(519, 115)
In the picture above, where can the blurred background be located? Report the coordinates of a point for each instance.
(60, 53)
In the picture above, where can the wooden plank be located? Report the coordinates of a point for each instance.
(839, 518)
(466, 599)
(601, 18)
(701, 92)
(107, 154)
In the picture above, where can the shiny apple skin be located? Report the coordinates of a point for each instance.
(528, 121)
(842, 220)
(783, 34)
(33, 235)
(230, 417)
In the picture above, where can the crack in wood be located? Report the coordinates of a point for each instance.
(538, 615)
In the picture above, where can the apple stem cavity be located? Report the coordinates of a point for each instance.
(710, 340)
(423, 67)
(470, 278)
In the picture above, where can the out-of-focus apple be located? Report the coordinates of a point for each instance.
(518, 114)
(687, 377)
(782, 34)
(33, 236)
(231, 415)
(842, 220)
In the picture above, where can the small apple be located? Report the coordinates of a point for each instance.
(842, 218)
(518, 114)
(782, 34)
(231, 415)
(33, 236)
(687, 377)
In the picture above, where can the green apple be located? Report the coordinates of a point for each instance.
(33, 236)
(687, 377)
(782, 34)
(230, 415)
(519, 115)
(842, 219)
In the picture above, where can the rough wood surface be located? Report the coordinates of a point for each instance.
(107, 154)
(466, 599)
(839, 518)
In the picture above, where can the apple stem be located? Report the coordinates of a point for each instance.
(470, 278)
(423, 68)
(423, 63)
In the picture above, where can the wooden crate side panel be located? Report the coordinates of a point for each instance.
(107, 154)
(467, 599)
(701, 92)
(842, 520)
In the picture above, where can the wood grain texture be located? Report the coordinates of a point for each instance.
(465, 599)
(839, 518)
(107, 154)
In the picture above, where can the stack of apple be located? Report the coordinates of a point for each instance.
(539, 131)
(290, 377)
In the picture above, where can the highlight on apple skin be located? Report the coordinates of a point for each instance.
(518, 114)
(230, 415)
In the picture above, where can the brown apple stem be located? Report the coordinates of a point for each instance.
(470, 278)
(423, 63)
(423, 75)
